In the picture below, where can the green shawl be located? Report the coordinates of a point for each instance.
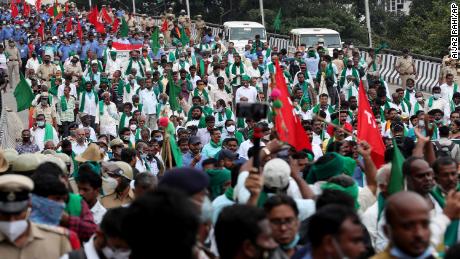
(130, 65)
(83, 97)
(205, 94)
(355, 74)
(123, 120)
(451, 234)
(63, 103)
(48, 133)
(228, 115)
(73, 205)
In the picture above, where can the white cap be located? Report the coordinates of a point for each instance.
(276, 173)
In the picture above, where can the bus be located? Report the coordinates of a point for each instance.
(240, 32)
(311, 36)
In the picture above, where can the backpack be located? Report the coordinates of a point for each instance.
(443, 150)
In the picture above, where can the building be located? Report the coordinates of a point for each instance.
(396, 5)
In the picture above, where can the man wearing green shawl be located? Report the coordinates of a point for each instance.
(113, 64)
(214, 146)
(236, 71)
(219, 181)
(135, 62)
(43, 132)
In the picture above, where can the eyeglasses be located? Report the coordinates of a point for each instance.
(285, 221)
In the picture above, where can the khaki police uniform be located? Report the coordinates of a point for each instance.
(45, 72)
(49, 112)
(406, 69)
(200, 25)
(123, 170)
(14, 60)
(38, 241)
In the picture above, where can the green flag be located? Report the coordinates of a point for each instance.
(173, 93)
(396, 183)
(55, 10)
(23, 94)
(54, 88)
(202, 67)
(124, 29)
(177, 156)
(155, 42)
(277, 21)
(183, 37)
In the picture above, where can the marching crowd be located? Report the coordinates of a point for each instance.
(145, 156)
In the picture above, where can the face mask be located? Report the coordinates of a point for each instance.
(231, 128)
(410, 89)
(109, 184)
(266, 137)
(421, 123)
(143, 156)
(111, 253)
(419, 99)
(182, 59)
(125, 138)
(436, 96)
(220, 109)
(40, 123)
(159, 138)
(133, 127)
(13, 229)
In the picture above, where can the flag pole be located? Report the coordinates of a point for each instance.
(261, 4)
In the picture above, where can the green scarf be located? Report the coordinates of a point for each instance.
(205, 94)
(380, 205)
(101, 107)
(229, 193)
(120, 86)
(137, 136)
(48, 133)
(215, 145)
(130, 65)
(416, 107)
(228, 115)
(451, 234)
(63, 103)
(54, 88)
(239, 137)
(354, 73)
(268, 53)
(123, 120)
(430, 101)
(240, 123)
(317, 108)
(73, 205)
(83, 98)
(233, 70)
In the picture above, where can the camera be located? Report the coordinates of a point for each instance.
(255, 111)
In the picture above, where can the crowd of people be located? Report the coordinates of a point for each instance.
(146, 157)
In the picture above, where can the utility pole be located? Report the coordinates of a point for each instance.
(134, 6)
(261, 3)
(368, 22)
(187, 2)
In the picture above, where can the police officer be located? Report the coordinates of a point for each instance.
(19, 237)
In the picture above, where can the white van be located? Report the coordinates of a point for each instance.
(241, 32)
(311, 36)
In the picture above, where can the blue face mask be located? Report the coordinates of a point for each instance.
(46, 211)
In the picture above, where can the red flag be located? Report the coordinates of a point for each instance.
(26, 10)
(116, 24)
(368, 130)
(68, 26)
(66, 7)
(288, 125)
(99, 27)
(14, 10)
(50, 11)
(164, 26)
(79, 31)
(105, 16)
(41, 30)
(92, 15)
(38, 5)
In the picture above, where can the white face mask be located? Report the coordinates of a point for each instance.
(13, 229)
(133, 126)
(219, 109)
(419, 99)
(421, 123)
(109, 184)
(231, 128)
(436, 96)
(111, 253)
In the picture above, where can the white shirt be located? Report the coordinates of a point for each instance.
(79, 149)
(3, 61)
(447, 91)
(98, 212)
(108, 121)
(38, 136)
(32, 64)
(92, 133)
(112, 66)
(245, 146)
(248, 92)
(317, 138)
(90, 107)
(149, 101)
(73, 90)
(204, 135)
